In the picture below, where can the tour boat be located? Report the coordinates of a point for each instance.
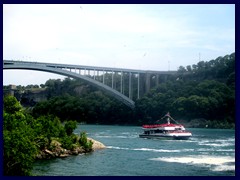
(165, 131)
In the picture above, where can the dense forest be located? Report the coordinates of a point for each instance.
(202, 93)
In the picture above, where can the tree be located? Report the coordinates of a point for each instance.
(181, 69)
(84, 142)
(19, 149)
(11, 105)
(189, 68)
(70, 126)
(42, 85)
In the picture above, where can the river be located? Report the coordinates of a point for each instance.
(210, 152)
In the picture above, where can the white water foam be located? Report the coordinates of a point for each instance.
(224, 168)
(216, 145)
(102, 136)
(151, 150)
(126, 133)
(205, 149)
(218, 150)
(225, 150)
(225, 140)
(155, 150)
(114, 147)
(218, 162)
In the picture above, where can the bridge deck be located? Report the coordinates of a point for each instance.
(96, 68)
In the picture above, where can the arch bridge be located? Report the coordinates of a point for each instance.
(111, 80)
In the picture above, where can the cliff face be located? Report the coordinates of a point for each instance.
(31, 97)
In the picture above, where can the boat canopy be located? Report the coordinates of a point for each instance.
(162, 125)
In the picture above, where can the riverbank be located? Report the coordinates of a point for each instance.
(56, 151)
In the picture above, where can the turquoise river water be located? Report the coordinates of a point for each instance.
(210, 152)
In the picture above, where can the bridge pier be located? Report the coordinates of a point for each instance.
(148, 76)
(130, 86)
(103, 80)
(121, 85)
(112, 79)
(157, 79)
(138, 90)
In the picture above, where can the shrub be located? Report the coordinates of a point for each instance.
(67, 142)
(70, 126)
(84, 142)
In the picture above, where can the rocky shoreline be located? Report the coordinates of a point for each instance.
(59, 152)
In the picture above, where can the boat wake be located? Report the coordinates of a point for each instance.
(215, 163)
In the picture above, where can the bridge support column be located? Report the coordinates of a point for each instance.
(157, 79)
(121, 88)
(148, 82)
(103, 80)
(138, 85)
(112, 79)
(123, 85)
(130, 85)
(97, 75)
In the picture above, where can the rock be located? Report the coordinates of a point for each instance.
(63, 155)
(96, 144)
(58, 151)
(74, 152)
(48, 152)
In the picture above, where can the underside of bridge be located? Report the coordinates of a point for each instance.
(142, 80)
(127, 101)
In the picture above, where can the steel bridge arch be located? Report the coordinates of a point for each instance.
(39, 67)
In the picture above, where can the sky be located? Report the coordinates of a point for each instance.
(135, 36)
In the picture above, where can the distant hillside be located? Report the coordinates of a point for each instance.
(205, 91)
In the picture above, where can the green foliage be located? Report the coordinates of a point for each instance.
(67, 142)
(19, 147)
(48, 126)
(218, 69)
(70, 126)
(207, 99)
(24, 137)
(84, 142)
(11, 105)
(91, 108)
(19, 152)
(41, 142)
(205, 90)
